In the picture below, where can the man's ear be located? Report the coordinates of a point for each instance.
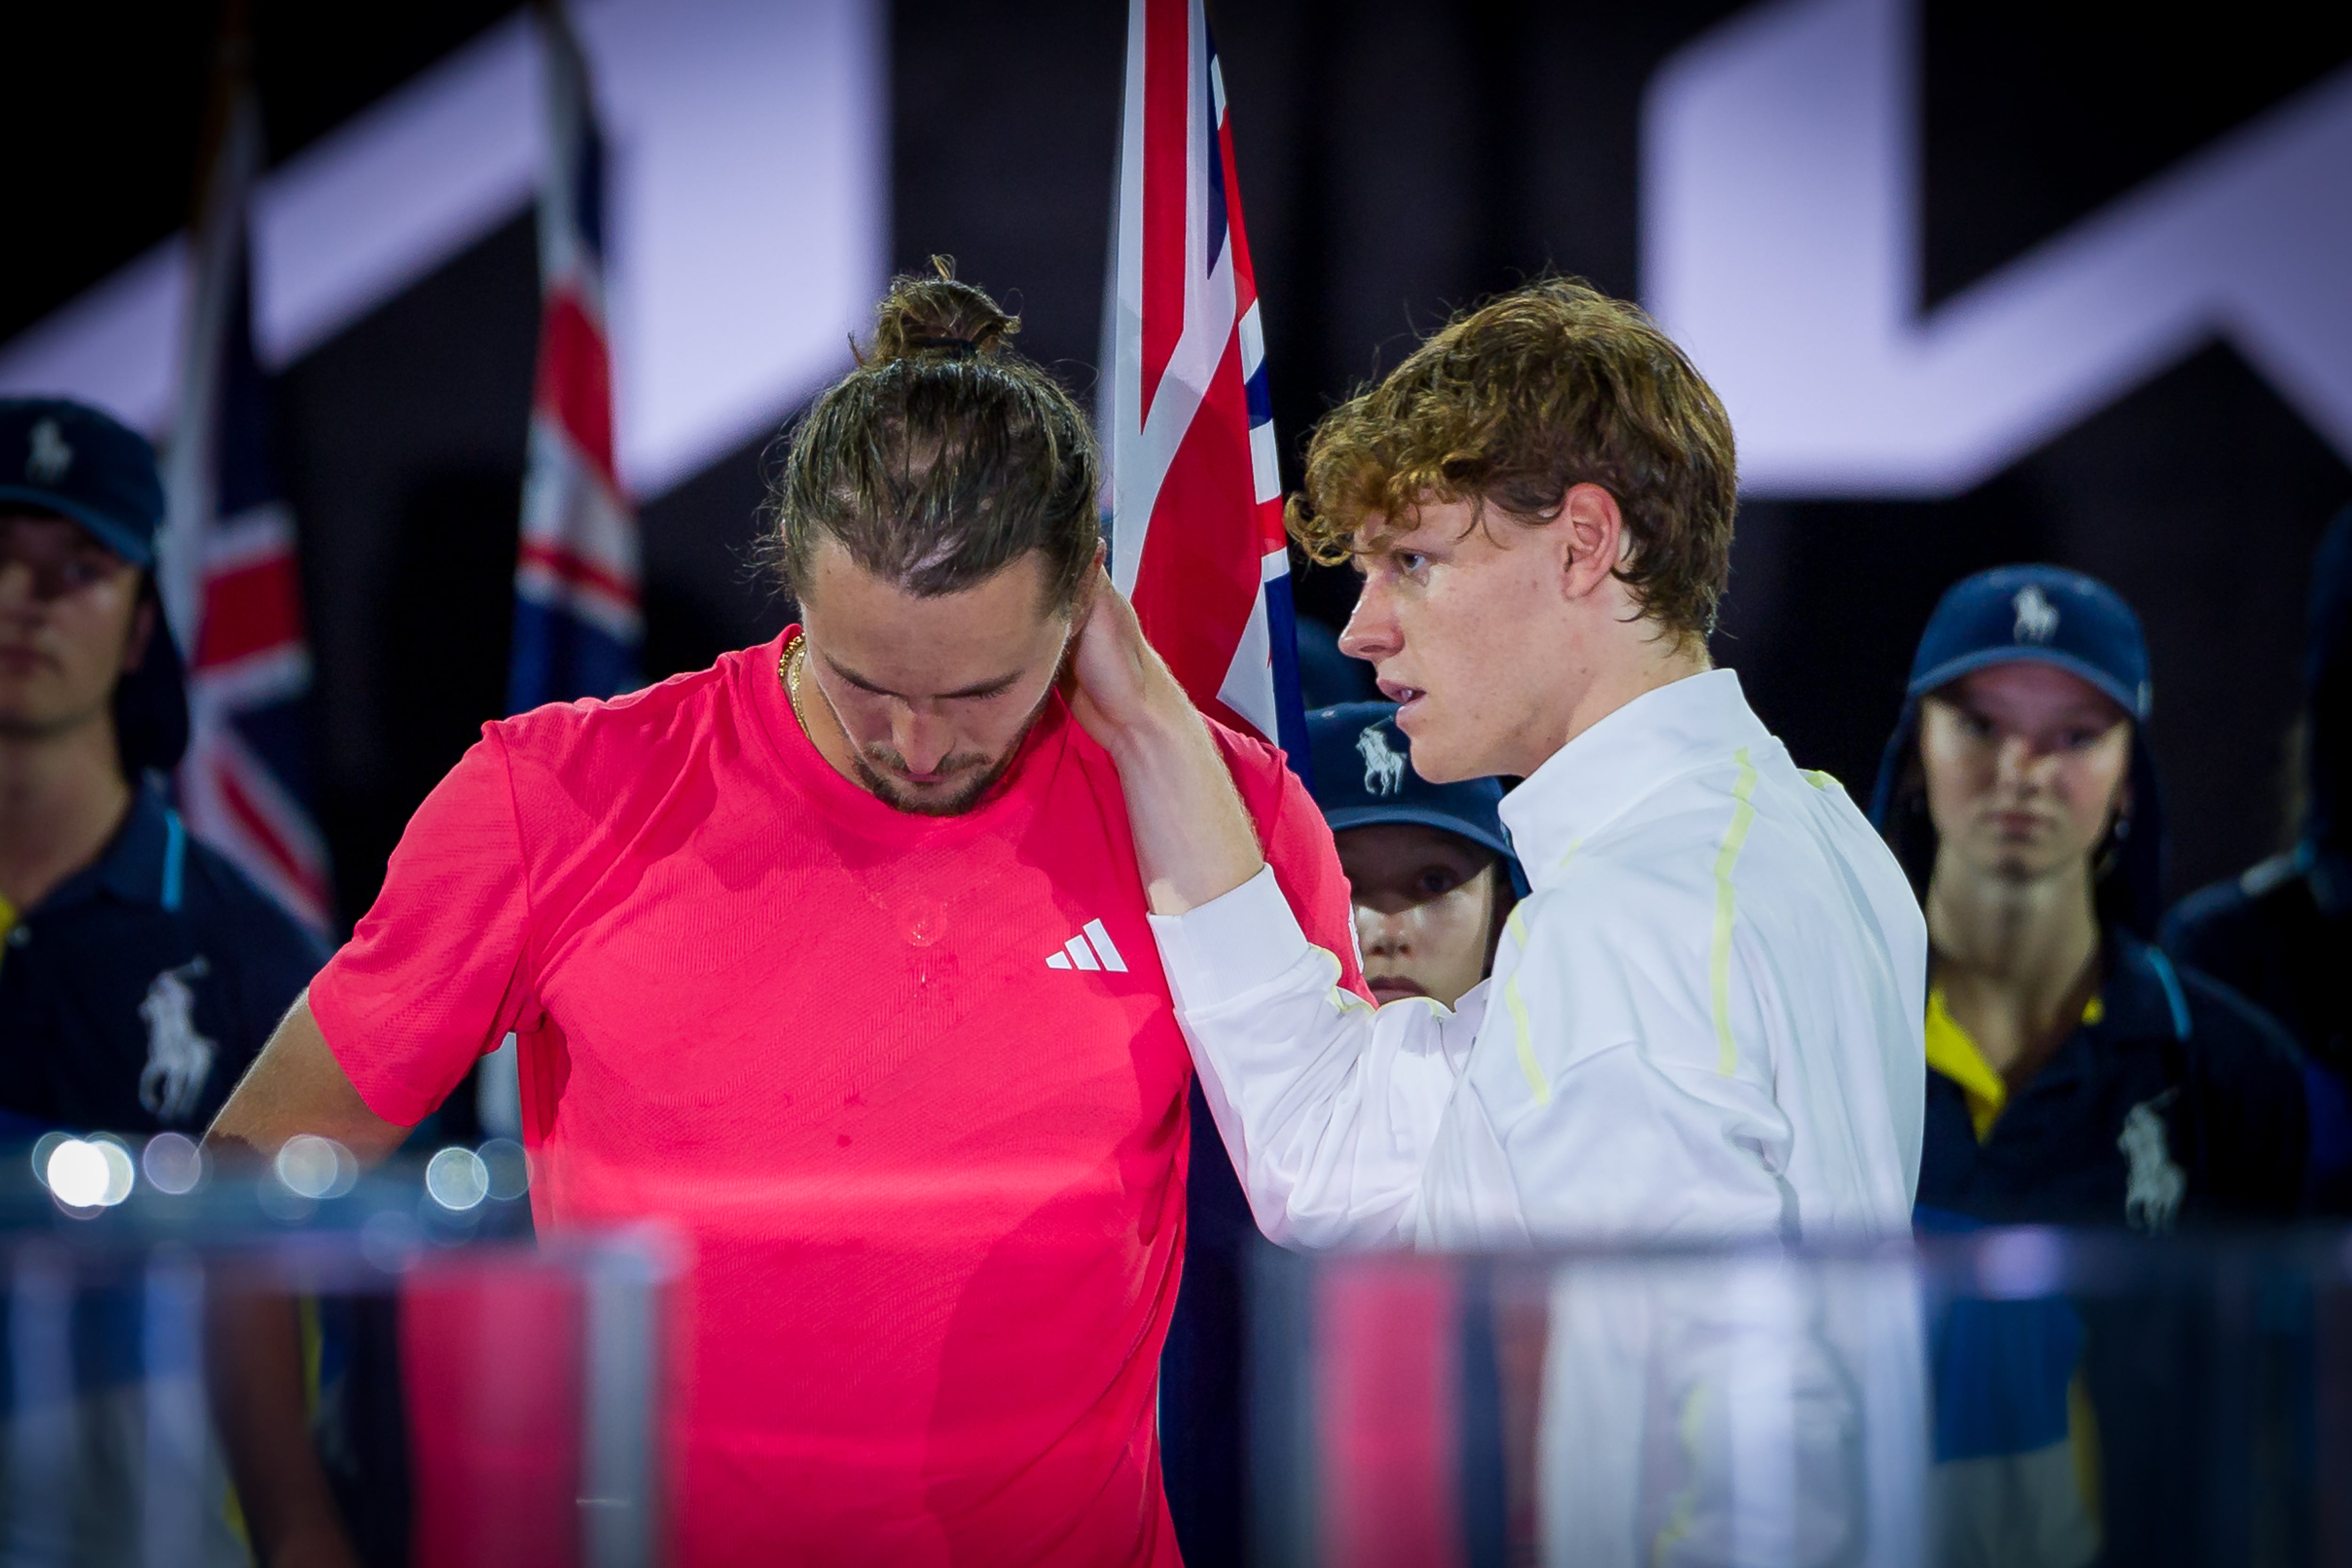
(1097, 578)
(142, 632)
(1592, 538)
(1090, 595)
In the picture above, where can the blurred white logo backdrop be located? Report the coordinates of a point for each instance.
(1781, 245)
(747, 235)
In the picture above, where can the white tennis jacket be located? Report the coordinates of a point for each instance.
(1704, 1024)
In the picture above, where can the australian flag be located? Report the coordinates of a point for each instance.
(577, 626)
(232, 590)
(1196, 493)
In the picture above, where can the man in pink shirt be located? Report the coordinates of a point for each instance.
(834, 958)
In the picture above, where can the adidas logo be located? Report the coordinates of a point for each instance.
(1091, 949)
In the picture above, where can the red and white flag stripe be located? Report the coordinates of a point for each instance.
(229, 576)
(234, 800)
(578, 624)
(1197, 536)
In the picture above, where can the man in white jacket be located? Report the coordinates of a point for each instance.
(1704, 1024)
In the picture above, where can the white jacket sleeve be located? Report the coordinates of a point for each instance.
(1600, 1085)
(1327, 1104)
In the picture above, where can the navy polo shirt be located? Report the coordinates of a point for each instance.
(134, 996)
(2277, 935)
(2181, 1102)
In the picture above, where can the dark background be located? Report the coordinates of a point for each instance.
(1396, 161)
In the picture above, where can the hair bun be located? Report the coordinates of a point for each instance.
(937, 317)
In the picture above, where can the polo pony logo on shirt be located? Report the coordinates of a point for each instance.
(2037, 617)
(1384, 765)
(2154, 1184)
(179, 1060)
(47, 456)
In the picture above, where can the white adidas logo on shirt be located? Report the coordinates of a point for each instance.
(1091, 949)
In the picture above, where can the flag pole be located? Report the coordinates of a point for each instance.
(227, 158)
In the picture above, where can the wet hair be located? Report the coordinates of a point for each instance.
(1509, 405)
(943, 458)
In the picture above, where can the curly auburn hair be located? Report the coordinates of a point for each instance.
(1552, 385)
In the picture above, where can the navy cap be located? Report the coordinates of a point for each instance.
(67, 457)
(72, 459)
(2045, 615)
(2041, 614)
(1364, 777)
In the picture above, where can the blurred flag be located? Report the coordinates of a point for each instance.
(227, 574)
(1196, 494)
(577, 627)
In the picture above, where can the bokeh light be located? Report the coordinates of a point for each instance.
(456, 1179)
(90, 1173)
(173, 1163)
(509, 1171)
(122, 1173)
(315, 1167)
(43, 1147)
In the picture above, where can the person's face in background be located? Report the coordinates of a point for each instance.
(2026, 765)
(928, 696)
(70, 625)
(1425, 907)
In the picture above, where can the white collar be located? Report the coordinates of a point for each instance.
(1662, 734)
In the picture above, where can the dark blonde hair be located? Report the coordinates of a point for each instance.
(1552, 385)
(944, 457)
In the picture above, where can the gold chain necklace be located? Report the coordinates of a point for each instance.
(789, 672)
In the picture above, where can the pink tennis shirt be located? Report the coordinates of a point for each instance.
(911, 1088)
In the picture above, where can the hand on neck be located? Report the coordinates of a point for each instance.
(2014, 955)
(62, 798)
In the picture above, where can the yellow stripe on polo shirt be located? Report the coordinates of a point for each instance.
(1953, 1051)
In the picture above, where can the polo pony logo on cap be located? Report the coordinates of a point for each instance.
(2037, 617)
(1383, 766)
(47, 456)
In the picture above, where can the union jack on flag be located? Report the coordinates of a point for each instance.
(230, 584)
(577, 627)
(1196, 493)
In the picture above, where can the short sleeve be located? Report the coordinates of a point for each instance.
(439, 970)
(1297, 845)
